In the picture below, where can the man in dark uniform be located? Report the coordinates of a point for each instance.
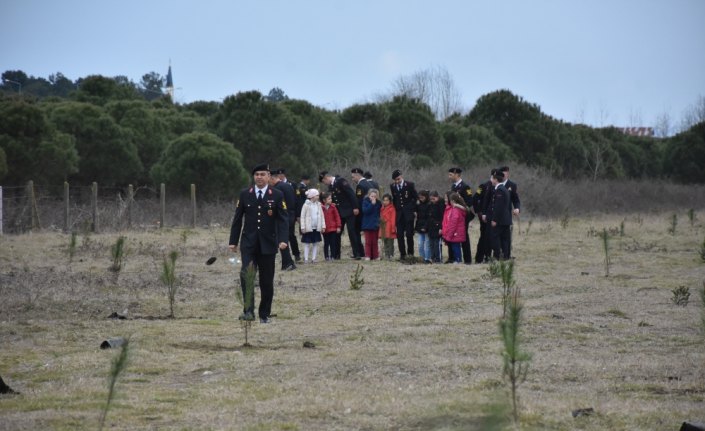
(294, 213)
(290, 201)
(362, 186)
(344, 198)
(463, 189)
(373, 183)
(263, 210)
(513, 190)
(301, 189)
(404, 197)
(479, 202)
(500, 218)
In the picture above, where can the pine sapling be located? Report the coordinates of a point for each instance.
(356, 280)
(117, 252)
(169, 279)
(674, 223)
(681, 295)
(516, 361)
(506, 272)
(119, 364)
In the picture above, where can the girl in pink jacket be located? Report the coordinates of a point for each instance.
(453, 228)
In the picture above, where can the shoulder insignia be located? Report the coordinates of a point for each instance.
(469, 191)
(238, 203)
(298, 192)
(270, 191)
(479, 191)
(284, 204)
(251, 189)
(359, 192)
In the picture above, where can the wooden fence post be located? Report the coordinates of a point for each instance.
(94, 206)
(33, 206)
(67, 220)
(193, 205)
(162, 200)
(130, 196)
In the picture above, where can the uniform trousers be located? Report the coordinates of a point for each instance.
(264, 264)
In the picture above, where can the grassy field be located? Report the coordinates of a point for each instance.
(416, 348)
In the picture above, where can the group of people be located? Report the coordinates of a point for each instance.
(266, 215)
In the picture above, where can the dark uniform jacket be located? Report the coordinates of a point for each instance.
(465, 192)
(266, 222)
(513, 193)
(435, 218)
(422, 213)
(501, 212)
(301, 190)
(405, 199)
(361, 190)
(481, 198)
(289, 198)
(343, 197)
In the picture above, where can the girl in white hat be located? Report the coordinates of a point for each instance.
(312, 224)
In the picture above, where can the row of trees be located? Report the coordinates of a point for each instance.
(109, 130)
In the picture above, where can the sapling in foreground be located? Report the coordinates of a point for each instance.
(119, 364)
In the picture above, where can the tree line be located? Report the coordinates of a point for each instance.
(116, 132)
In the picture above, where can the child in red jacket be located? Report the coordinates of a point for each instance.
(453, 228)
(331, 234)
(388, 225)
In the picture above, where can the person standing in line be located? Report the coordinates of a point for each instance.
(362, 186)
(301, 188)
(262, 211)
(436, 208)
(290, 205)
(368, 177)
(331, 234)
(404, 197)
(422, 213)
(513, 190)
(346, 202)
(500, 218)
(388, 225)
(371, 209)
(465, 192)
(312, 224)
(294, 212)
(479, 203)
(454, 232)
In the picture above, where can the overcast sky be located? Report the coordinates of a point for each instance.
(600, 61)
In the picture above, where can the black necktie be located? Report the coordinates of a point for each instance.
(259, 195)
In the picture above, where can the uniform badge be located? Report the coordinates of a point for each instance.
(510, 189)
(359, 192)
(479, 191)
(298, 192)
(283, 206)
(469, 191)
(270, 212)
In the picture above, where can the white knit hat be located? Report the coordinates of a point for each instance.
(311, 193)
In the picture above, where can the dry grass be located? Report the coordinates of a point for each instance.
(416, 348)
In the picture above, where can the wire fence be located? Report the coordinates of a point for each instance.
(105, 209)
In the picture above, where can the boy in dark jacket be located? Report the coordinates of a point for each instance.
(436, 207)
(421, 227)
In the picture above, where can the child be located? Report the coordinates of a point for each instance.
(312, 223)
(388, 225)
(422, 226)
(371, 208)
(435, 223)
(333, 226)
(454, 225)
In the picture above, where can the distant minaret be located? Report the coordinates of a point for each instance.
(170, 83)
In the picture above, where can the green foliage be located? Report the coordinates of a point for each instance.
(515, 359)
(169, 279)
(356, 280)
(117, 252)
(414, 130)
(681, 295)
(118, 366)
(506, 273)
(685, 155)
(202, 159)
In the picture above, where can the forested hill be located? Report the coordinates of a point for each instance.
(115, 132)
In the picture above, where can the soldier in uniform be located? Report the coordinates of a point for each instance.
(290, 201)
(294, 213)
(404, 197)
(479, 203)
(373, 183)
(500, 217)
(301, 189)
(263, 211)
(463, 189)
(513, 190)
(346, 202)
(362, 186)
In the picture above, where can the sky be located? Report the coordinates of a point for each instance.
(598, 62)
